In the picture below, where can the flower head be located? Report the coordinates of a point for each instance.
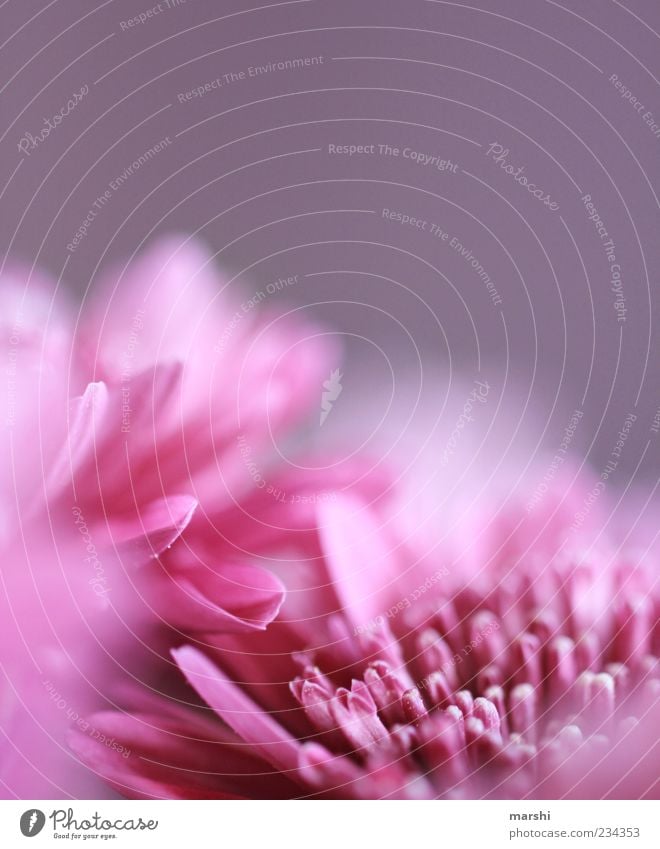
(109, 447)
(389, 675)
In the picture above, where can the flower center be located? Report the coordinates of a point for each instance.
(461, 700)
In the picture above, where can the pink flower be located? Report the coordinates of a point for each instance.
(167, 375)
(65, 601)
(387, 675)
(222, 376)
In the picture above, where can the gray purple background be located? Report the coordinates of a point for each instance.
(249, 170)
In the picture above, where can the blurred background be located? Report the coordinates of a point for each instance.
(457, 193)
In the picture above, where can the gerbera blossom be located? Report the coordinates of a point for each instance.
(392, 674)
(109, 447)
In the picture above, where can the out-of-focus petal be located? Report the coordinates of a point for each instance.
(366, 571)
(252, 724)
(161, 756)
(223, 599)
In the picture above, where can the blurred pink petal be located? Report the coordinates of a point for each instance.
(225, 600)
(97, 489)
(153, 530)
(507, 682)
(350, 536)
(213, 368)
(267, 737)
(164, 756)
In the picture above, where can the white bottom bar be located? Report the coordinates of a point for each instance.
(331, 825)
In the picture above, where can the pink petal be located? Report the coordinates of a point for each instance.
(155, 528)
(173, 754)
(364, 568)
(131, 456)
(161, 297)
(248, 720)
(85, 413)
(234, 599)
